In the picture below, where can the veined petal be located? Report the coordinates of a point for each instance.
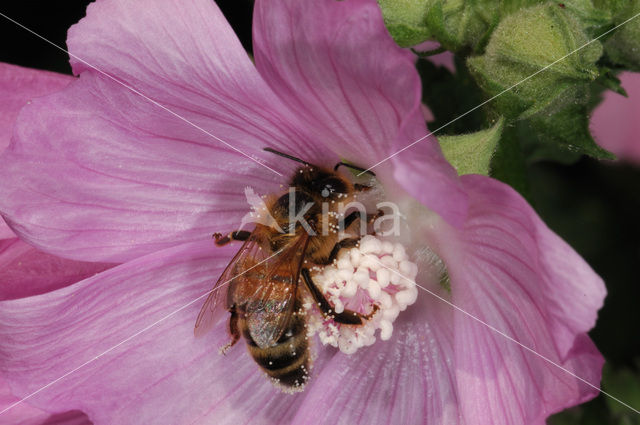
(407, 380)
(98, 172)
(189, 60)
(18, 86)
(25, 414)
(336, 65)
(511, 272)
(26, 271)
(157, 371)
(615, 122)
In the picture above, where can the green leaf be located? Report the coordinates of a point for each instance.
(472, 153)
(406, 20)
(625, 384)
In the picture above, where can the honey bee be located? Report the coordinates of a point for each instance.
(260, 286)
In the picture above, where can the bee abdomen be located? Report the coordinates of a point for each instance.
(288, 361)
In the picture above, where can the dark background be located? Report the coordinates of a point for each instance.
(593, 206)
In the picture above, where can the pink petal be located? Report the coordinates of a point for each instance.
(406, 380)
(510, 271)
(20, 85)
(335, 64)
(615, 122)
(26, 271)
(163, 374)
(100, 173)
(441, 59)
(5, 231)
(17, 87)
(25, 414)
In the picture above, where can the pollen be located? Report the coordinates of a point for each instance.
(374, 279)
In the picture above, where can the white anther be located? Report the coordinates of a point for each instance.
(357, 281)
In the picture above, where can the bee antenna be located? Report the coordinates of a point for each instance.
(293, 158)
(353, 167)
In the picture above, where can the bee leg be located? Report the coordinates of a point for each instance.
(361, 187)
(233, 330)
(345, 243)
(351, 218)
(347, 317)
(239, 235)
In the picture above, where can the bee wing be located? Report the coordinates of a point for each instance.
(270, 308)
(253, 251)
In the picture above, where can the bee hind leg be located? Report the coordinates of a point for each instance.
(239, 235)
(347, 317)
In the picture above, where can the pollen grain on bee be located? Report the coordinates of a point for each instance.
(136, 334)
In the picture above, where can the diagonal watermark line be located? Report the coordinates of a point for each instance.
(500, 94)
(141, 95)
(173, 313)
(499, 332)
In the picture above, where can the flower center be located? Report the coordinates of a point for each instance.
(375, 273)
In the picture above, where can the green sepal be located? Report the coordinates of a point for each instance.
(610, 81)
(509, 164)
(406, 20)
(562, 136)
(593, 19)
(472, 153)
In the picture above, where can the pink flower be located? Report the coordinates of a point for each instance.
(24, 270)
(615, 122)
(97, 172)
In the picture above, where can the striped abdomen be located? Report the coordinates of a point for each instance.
(288, 361)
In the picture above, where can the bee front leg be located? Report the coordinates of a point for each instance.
(347, 317)
(239, 235)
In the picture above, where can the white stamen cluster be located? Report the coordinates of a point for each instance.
(375, 273)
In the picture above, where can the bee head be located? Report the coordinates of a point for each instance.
(328, 185)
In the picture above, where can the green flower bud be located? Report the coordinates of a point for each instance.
(623, 47)
(406, 20)
(526, 43)
(463, 24)
(472, 153)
